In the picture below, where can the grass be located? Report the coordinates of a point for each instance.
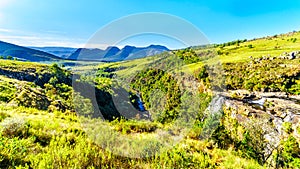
(58, 140)
(21, 66)
(273, 46)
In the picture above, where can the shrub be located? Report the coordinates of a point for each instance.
(287, 127)
(188, 55)
(9, 57)
(13, 152)
(14, 127)
(249, 76)
(34, 98)
(288, 153)
(3, 116)
(7, 91)
(135, 126)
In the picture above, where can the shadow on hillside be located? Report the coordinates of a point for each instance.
(105, 105)
(108, 106)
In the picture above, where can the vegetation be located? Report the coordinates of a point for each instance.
(264, 75)
(43, 115)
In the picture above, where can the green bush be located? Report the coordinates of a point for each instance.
(3, 116)
(188, 56)
(287, 127)
(248, 75)
(13, 152)
(288, 153)
(32, 97)
(7, 91)
(133, 126)
(14, 127)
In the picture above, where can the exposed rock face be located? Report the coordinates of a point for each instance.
(285, 55)
(277, 110)
(30, 75)
(278, 107)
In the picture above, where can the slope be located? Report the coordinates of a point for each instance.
(23, 53)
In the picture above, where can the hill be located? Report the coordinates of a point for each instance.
(115, 54)
(258, 79)
(62, 52)
(23, 53)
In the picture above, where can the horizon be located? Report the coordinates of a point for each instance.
(143, 46)
(72, 24)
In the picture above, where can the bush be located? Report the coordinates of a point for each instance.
(288, 153)
(248, 75)
(9, 57)
(287, 127)
(3, 116)
(14, 127)
(135, 126)
(34, 98)
(7, 91)
(13, 152)
(188, 55)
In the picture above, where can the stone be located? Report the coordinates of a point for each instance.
(289, 117)
(282, 115)
(292, 56)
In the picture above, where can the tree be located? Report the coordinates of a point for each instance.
(9, 57)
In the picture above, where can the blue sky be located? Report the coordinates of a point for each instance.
(73, 22)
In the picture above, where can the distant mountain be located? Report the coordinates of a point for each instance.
(62, 52)
(87, 54)
(24, 53)
(113, 53)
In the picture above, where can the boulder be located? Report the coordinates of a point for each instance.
(292, 56)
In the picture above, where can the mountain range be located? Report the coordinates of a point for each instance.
(110, 54)
(63, 52)
(113, 53)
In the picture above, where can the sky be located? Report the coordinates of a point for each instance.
(71, 23)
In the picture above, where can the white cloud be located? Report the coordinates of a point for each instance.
(5, 30)
(40, 40)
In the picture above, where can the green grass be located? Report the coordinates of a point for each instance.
(7, 89)
(273, 46)
(21, 66)
(56, 140)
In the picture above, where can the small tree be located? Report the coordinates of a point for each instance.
(9, 57)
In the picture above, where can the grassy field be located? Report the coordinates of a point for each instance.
(38, 139)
